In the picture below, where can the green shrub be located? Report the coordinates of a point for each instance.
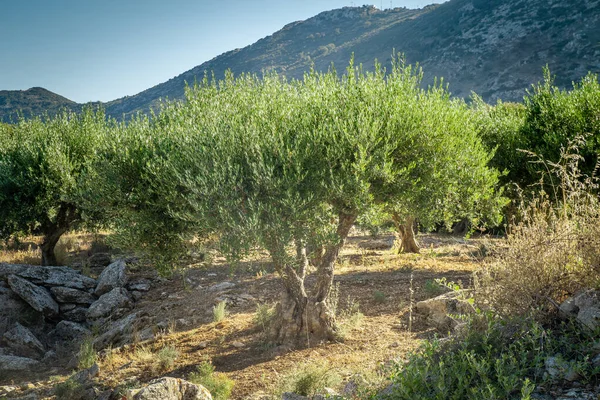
(218, 384)
(495, 359)
(263, 316)
(379, 296)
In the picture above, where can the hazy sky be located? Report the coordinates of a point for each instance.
(88, 50)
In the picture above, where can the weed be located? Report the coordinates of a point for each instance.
(309, 380)
(69, 390)
(379, 296)
(263, 317)
(218, 384)
(86, 356)
(350, 318)
(166, 358)
(220, 311)
(433, 288)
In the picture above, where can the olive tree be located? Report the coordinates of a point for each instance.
(42, 163)
(288, 167)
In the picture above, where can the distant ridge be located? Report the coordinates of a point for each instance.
(496, 48)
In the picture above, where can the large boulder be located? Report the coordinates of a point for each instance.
(584, 307)
(113, 276)
(113, 303)
(17, 364)
(23, 342)
(69, 295)
(48, 276)
(37, 297)
(172, 389)
(12, 307)
(437, 310)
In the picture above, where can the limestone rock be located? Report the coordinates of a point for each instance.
(15, 364)
(87, 374)
(69, 295)
(49, 276)
(436, 310)
(221, 286)
(585, 307)
(172, 389)
(67, 330)
(141, 285)
(37, 297)
(110, 304)
(120, 332)
(23, 341)
(12, 307)
(113, 276)
(292, 396)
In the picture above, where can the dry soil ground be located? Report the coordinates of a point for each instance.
(383, 284)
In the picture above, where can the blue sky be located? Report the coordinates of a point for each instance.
(89, 50)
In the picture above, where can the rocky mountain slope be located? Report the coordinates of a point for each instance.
(31, 102)
(496, 48)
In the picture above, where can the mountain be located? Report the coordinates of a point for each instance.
(31, 102)
(496, 48)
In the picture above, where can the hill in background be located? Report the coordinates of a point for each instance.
(496, 48)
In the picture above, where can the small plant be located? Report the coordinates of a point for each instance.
(166, 358)
(69, 390)
(433, 288)
(263, 317)
(350, 318)
(309, 379)
(86, 356)
(218, 384)
(379, 296)
(220, 311)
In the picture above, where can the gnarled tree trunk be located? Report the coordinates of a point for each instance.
(66, 215)
(302, 318)
(406, 235)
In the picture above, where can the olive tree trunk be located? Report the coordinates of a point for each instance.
(53, 231)
(406, 235)
(304, 318)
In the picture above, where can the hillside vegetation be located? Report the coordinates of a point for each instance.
(495, 48)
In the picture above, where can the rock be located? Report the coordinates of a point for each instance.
(585, 307)
(557, 368)
(238, 345)
(4, 390)
(78, 314)
(87, 374)
(12, 307)
(49, 276)
(49, 358)
(16, 364)
(137, 296)
(142, 285)
(436, 310)
(24, 342)
(172, 389)
(110, 304)
(113, 276)
(69, 331)
(37, 297)
(120, 332)
(596, 361)
(66, 307)
(69, 295)
(221, 286)
(99, 260)
(105, 395)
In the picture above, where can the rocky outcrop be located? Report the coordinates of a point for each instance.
(39, 298)
(16, 364)
(172, 389)
(69, 295)
(113, 276)
(48, 276)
